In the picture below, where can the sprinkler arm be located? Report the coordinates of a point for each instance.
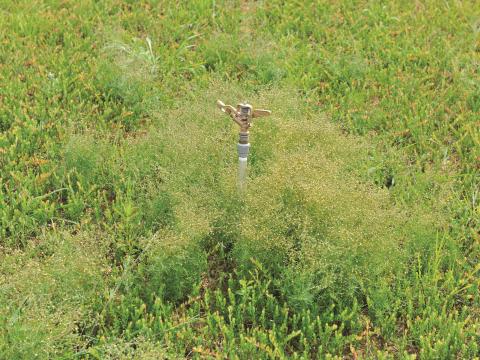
(261, 113)
(229, 109)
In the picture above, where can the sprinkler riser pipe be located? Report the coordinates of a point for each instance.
(242, 174)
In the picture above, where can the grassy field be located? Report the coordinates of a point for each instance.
(122, 233)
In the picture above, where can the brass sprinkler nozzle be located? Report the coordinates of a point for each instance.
(243, 115)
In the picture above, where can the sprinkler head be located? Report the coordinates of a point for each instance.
(243, 115)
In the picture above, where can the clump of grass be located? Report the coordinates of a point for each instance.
(137, 59)
(309, 215)
(45, 292)
(172, 267)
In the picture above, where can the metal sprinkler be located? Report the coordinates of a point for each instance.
(242, 115)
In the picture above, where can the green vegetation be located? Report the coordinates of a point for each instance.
(122, 234)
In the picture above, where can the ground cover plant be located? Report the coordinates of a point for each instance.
(123, 235)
